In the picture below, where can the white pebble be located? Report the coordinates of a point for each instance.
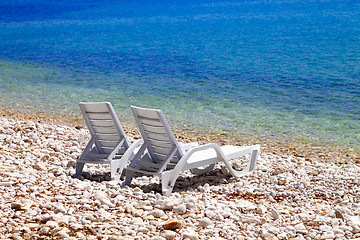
(180, 209)
(157, 213)
(190, 235)
(168, 235)
(204, 222)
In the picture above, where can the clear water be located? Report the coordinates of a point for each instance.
(286, 68)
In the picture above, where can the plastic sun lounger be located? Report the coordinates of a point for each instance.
(108, 143)
(162, 155)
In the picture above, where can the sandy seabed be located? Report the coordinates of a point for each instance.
(291, 195)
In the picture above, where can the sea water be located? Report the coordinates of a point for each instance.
(275, 68)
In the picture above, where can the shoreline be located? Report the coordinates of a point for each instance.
(287, 147)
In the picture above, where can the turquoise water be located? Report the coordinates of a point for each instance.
(277, 69)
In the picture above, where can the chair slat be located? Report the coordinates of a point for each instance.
(102, 123)
(99, 116)
(158, 150)
(160, 157)
(96, 108)
(145, 113)
(154, 130)
(157, 137)
(150, 121)
(100, 130)
(160, 144)
(108, 150)
(154, 167)
(108, 137)
(109, 144)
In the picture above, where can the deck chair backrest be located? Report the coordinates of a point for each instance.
(104, 126)
(157, 134)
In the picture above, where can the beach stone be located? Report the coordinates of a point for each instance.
(168, 235)
(157, 213)
(180, 209)
(338, 214)
(338, 231)
(148, 218)
(204, 222)
(143, 230)
(354, 221)
(325, 228)
(85, 221)
(274, 230)
(16, 206)
(39, 166)
(274, 214)
(32, 226)
(210, 214)
(63, 233)
(107, 202)
(300, 228)
(281, 181)
(327, 236)
(130, 208)
(157, 238)
(74, 149)
(261, 209)
(129, 231)
(29, 125)
(268, 236)
(147, 208)
(190, 235)
(52, 224)
(16, 236)
(246, 205)
(6, 184)
(100, 195)
(60, 208)
(173, 224)
(170, 203)
(283, 235)
(278, 170)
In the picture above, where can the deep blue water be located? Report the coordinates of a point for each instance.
(269, 68)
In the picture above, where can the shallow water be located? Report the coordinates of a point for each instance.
(277, 69)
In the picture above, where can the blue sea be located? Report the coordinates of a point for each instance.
(275, 69)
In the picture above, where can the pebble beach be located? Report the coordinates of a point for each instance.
(287, 197)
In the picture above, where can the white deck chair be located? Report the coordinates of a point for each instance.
(108, 141)
(166, 158)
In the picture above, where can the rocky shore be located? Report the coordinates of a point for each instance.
(287, 197)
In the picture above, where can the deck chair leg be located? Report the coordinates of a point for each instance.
(250, 166)
(79, 168)
(129, 175)
(168, 180)
(116, 170)
(254, 156)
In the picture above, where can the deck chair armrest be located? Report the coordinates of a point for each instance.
(118, 165)
(202, 147)
(183, 163)
(191, 151)
(187, 146)
(130, 152)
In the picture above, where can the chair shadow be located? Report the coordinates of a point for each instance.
(96, 177)
(183, 183)
(188, 182)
